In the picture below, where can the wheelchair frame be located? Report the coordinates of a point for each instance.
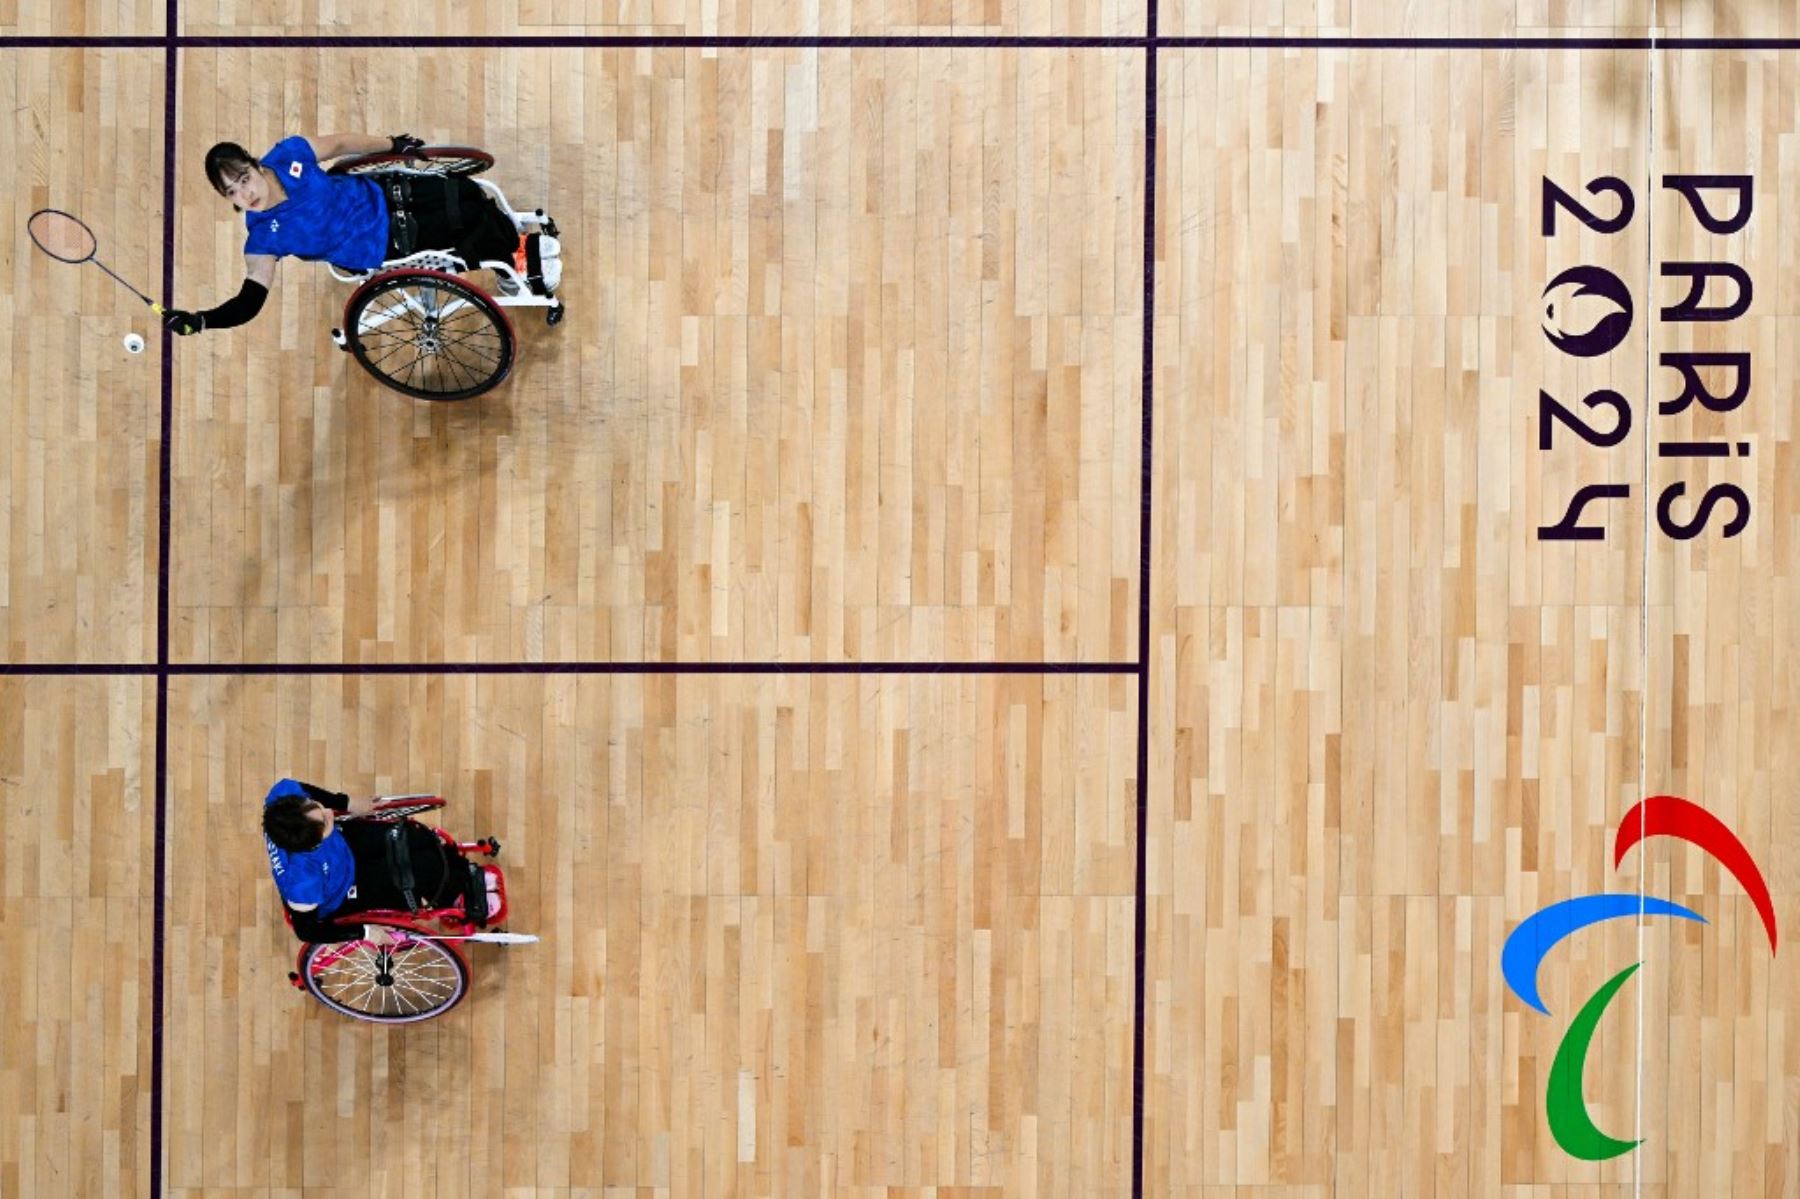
(436, 302)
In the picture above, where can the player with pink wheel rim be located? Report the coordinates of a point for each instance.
(377, 899)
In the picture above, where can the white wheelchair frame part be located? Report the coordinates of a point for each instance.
(451, 264)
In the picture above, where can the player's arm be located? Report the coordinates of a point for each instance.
(241, 309)
(327, 146)
(260, 268)
(337, 801)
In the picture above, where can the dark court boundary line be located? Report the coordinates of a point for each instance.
(208, 669)
(890, 42)
(164, 525)
(1146, 468)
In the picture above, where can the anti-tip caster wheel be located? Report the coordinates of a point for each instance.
(554, 315)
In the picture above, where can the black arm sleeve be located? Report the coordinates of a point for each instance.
(309, 926)
(336, 801)
(239, 309)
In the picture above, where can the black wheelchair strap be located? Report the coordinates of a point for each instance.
(475, 893)
(534, 265)
(399, 863)
(403, 226)
(452, 200)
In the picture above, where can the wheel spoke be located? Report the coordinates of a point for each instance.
(362, 1001)
(468, 338)
(386, 355)
(386, 314)
(447, 365)
(476, 350)
(417, 996)
(403, 338)
(464, 366)
(473, 343)
(472, 317)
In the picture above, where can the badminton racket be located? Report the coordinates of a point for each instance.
(66, 238)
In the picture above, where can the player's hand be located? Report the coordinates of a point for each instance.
(405, 143)
(380, 936)
(183, 324)
(360, 807)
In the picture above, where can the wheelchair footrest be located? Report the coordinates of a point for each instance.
(484, 896)
(493, 897)
(539, 262)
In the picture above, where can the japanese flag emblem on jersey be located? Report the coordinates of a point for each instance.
(294, 169)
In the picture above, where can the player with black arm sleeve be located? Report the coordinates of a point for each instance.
(294, 207)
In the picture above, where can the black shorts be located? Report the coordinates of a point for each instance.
(439, 876)
(446, 212)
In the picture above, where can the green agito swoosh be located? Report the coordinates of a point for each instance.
(1563, 1105)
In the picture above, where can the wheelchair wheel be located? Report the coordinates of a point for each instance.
(437, 160)
(413, 981)
(431, 335)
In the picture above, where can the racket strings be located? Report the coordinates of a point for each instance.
(62, 236)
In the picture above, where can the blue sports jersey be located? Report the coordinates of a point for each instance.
(342, 219)
(321, 876)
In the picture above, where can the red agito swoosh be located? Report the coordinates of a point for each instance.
(1673, 816)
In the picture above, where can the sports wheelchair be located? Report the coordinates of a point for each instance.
(414, 322)
(423, 974)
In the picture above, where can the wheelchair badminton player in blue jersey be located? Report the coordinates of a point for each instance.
(296, 207)
(334, 857)
(379, 901)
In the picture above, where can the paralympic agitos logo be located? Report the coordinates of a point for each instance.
(1527, 945)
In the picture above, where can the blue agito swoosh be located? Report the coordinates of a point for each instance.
(1529, 943)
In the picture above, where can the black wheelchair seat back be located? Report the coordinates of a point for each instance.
(408, 842)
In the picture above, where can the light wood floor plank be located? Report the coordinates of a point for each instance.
(78, 485)
(1476, 19)
(1390, 723)
(1723, 1069)
(114, 18)
(800, 933)
(830, 388)
(76, 929)
(973, 19)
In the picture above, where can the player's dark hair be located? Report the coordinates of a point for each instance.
(288, 824)
(228, 159)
